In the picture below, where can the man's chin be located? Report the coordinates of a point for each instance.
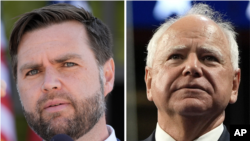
(58, 125)
(192, 112)
(74, 123)
(192, 107)
(50, 126)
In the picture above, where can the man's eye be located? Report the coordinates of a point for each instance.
(69, 64)
(210, 58)
(32, 72)
(175, 57)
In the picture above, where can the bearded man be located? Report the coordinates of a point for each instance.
(63, 67)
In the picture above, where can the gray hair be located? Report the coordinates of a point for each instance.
(204, 10)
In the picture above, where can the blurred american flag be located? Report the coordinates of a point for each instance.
(8, 130)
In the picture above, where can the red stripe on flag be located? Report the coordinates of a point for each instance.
(32, 136)
(3, 138)
(2, 55)
(3, 60)
(6, 101)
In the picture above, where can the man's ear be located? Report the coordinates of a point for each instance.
(236, 84)
(148, 81)
(109, 76)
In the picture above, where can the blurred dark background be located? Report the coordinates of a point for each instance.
(112, 14)
(143, 18)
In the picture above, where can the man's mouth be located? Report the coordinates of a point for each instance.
(191, 87)
(55, 105)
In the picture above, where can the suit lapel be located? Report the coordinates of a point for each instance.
(225, 136)
(151, 137)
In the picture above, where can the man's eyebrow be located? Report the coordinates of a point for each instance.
(60, 59)
(177, 48)
(207, 49)
(30, 66)
(213, 50)
(66, 57)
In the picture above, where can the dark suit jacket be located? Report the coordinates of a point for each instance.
(225, 136)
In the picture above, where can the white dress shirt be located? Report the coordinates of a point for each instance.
(213, 135)
(112, 136)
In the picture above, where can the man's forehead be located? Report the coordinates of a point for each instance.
(56, 31)
(194, 26)
(51, 42)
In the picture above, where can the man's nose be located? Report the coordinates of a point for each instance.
(51, 81)
(192, 66)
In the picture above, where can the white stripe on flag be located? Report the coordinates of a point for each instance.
(83, 4)
(2, 36)
(5, 77)
(7, 124)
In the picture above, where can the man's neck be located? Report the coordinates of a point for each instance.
(98, 133)
(188, 128)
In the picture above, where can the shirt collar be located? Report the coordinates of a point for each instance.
(112, 136)
(161, 135)
(213, 135)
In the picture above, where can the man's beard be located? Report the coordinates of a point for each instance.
(87, 113)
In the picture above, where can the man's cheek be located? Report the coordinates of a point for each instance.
(27, 101)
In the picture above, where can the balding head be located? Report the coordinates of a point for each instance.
(207, 14)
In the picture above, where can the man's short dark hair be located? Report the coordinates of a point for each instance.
(98, 33)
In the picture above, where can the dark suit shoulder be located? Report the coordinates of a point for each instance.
(151, 137)
(225, 136)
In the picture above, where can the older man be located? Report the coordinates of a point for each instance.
(192, 75)
(63, 67)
